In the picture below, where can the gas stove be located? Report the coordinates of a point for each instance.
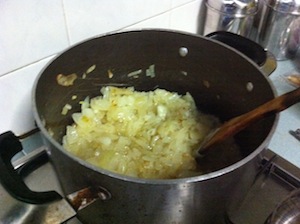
(280, 172)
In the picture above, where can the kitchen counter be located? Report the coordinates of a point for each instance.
(282, 142)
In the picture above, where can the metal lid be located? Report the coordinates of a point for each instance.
(234, 7)
(285, 6)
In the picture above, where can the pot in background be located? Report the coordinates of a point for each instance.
(233, 16)
(279, 28)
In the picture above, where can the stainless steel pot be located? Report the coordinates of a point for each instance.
(278, 29)
(217, 76)
(233, 16)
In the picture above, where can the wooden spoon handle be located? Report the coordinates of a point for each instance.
(235, 125)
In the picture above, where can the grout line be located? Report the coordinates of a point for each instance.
(24, 66)
(66, 23)
(135, 23)
(183, 4)
(165, 12)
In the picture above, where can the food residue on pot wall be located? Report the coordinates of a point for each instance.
(66, 80)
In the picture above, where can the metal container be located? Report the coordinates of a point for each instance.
(208, 198)
(279, 27)
(235, 16)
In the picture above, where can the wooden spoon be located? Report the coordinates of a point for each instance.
(235, 125)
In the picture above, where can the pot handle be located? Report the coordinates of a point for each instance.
(12, 181)
(264, 59)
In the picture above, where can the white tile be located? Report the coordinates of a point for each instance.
(15, 98)
(186, 17)
(161, 21)
(30, 30)
(176, 3)
(91, 17)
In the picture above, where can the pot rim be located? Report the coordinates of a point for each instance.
(122, 177)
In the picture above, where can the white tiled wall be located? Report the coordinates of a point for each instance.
(33, 31)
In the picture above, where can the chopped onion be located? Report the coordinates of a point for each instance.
(66, 80)
(150, 72)
(65, 109)
(142, 134)
(90, 69)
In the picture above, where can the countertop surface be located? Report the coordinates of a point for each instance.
(282, 142)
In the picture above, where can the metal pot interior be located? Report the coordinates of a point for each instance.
(216, 76)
